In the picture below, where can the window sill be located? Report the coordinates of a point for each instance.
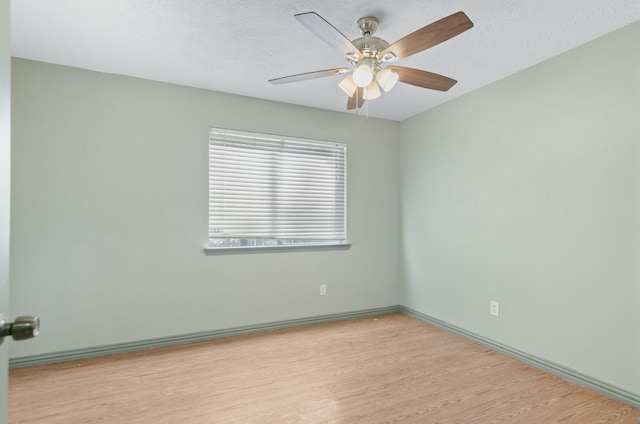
(270, 249)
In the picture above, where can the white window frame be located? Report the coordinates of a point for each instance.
(263, 186)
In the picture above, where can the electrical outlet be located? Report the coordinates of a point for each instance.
(323, 289)
(494, 308)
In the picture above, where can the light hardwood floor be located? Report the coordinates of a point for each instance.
(385, 369)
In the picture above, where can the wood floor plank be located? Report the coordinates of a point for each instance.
(387, 369)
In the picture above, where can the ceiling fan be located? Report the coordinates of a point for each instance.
(368, 56)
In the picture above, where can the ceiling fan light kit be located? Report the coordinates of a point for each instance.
(368, 55)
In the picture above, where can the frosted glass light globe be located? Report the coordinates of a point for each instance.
(363, 73)
(348, 85)
(371, 92)
(387, 78)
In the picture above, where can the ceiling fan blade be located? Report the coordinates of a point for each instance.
(429, 36)
(328, 33)
(309, 75)
(356, 101)
(423, 79)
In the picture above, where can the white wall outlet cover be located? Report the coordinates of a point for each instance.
(494, 308)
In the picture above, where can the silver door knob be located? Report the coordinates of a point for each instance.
(22, 328)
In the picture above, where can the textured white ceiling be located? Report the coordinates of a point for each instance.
(236, 46)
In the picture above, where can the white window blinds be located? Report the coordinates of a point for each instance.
(267, 190)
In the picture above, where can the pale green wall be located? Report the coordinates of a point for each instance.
(528, 192)
(110, 213)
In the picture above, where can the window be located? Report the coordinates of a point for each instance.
(267, 190)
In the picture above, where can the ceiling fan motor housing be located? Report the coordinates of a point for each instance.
(370, 46)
